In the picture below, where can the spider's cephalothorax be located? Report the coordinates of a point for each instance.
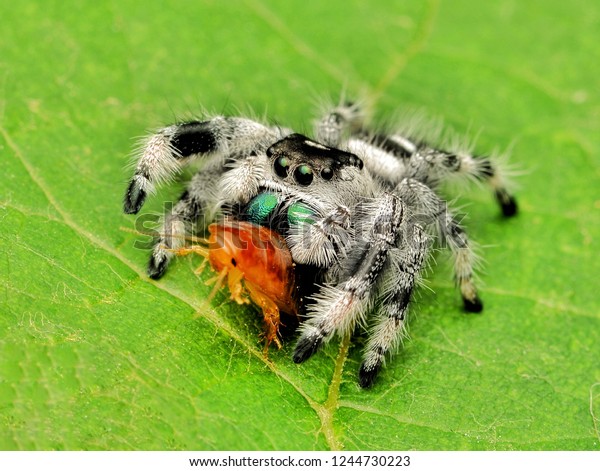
(358, 210)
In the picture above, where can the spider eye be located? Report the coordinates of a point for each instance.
(326, 173)
(282, 165)
(303, 175)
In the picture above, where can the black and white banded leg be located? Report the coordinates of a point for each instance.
(464, 261)
(338, 308)
(409, 152)
(189, 215)
(432, 166)
(430, 209)
(406, 263)
(166, 152)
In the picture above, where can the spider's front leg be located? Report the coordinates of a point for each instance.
(166, 152)
(206, 192)
(170, 149)
(337, 308)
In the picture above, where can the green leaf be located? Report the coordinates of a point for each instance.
(94, 355)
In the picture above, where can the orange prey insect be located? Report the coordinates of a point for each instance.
(257, 263)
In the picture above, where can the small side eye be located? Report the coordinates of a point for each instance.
(281, 166)
(303, 175)
(326, 173)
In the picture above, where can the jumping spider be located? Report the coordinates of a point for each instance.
(358, 209)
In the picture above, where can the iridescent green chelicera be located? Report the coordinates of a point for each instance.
(261, 207)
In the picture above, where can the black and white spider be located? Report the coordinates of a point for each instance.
(359, 208)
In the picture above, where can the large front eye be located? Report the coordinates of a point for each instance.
(303, 174)
(282, 165)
